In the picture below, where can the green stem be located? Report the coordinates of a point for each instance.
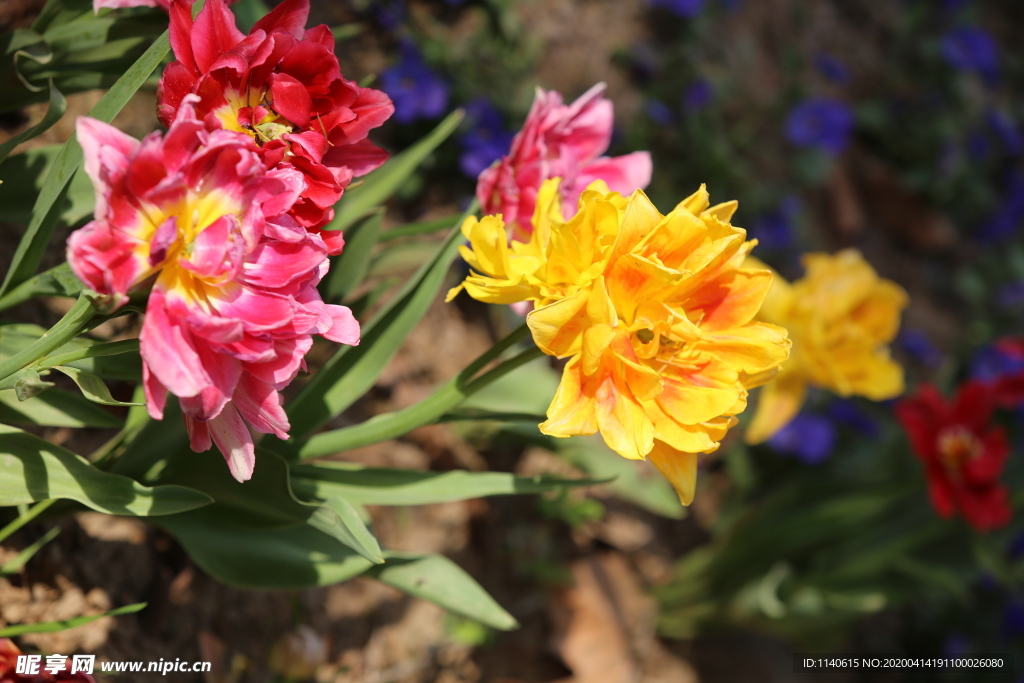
(66, 329)
(108, 349)
(423, 228)
(391, 425)
(25, 518)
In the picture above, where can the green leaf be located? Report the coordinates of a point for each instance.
(57, 281)
(14, 565)
(54, 408)
(47, 207)
(631, 480)
(253, 557)
(53, 626)
(442, 582)
(58, 105)
(258, 534)
(354, 369)
(389, 486)
(36, 470)
(109, 360)
(349, 269)
(27, 384)
(357, 535)
(379, 185)
(92, 387)
(417, 229)
(393, 425)
(23, 176)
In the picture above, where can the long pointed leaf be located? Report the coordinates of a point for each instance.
(442, 582)
(14, 565)
(389, 486)
(92, 387)
(35, 470)
(53, 626)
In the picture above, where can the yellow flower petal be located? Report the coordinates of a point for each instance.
(678, 467)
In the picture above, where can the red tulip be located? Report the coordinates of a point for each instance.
(962, 452)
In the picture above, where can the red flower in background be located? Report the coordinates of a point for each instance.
(962, 452)
(1009, 388)
(282, 86)
(9, 666)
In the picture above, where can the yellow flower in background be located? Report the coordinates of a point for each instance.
(841, 317)
(655, 314)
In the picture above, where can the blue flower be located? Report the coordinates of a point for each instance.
(389, 13)
(682, 8)
(808, 437)
(1006, 131)
(919, 347)
(486, 140)
(774, 229)
(658, 111)
(846, 412)
(1013, 619)
(990, 363)
(417, 92)
(831, 68)
(820, 122)
(969, 48)
(1011, 295)
(1006, 220)
(957, 645)
(698, 95)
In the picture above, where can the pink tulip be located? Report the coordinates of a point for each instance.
(564, 142)
(282, 87)
(234, 300)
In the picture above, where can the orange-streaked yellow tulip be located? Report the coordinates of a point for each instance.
(655, 314)
(841, 317)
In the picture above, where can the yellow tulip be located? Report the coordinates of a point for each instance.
(655, 314)
(841, 317)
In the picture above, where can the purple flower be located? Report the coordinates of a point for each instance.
(1006, 131)
(969, 48)
(957, 645)
(389, 14)
(1011, 295)
(683, 8)
(1016, 549)
(1013, 619)
(808, 437)
(847, 413)
(1006, 220)
(831, 68)
(418, 92)
(732, 5)
(820, 122)
(658, 112)
(991, 363)
(920, 348)
(486, 140)
(774, 229)
(698, 95)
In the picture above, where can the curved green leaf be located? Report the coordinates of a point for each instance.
(389, 486)
(58, 105)
(442, 582)
(36, 470)
(92, 387)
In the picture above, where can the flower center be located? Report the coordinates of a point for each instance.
(958, 446)
(252, 114)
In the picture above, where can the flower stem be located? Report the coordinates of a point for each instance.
(66, 329)
(391, 425)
